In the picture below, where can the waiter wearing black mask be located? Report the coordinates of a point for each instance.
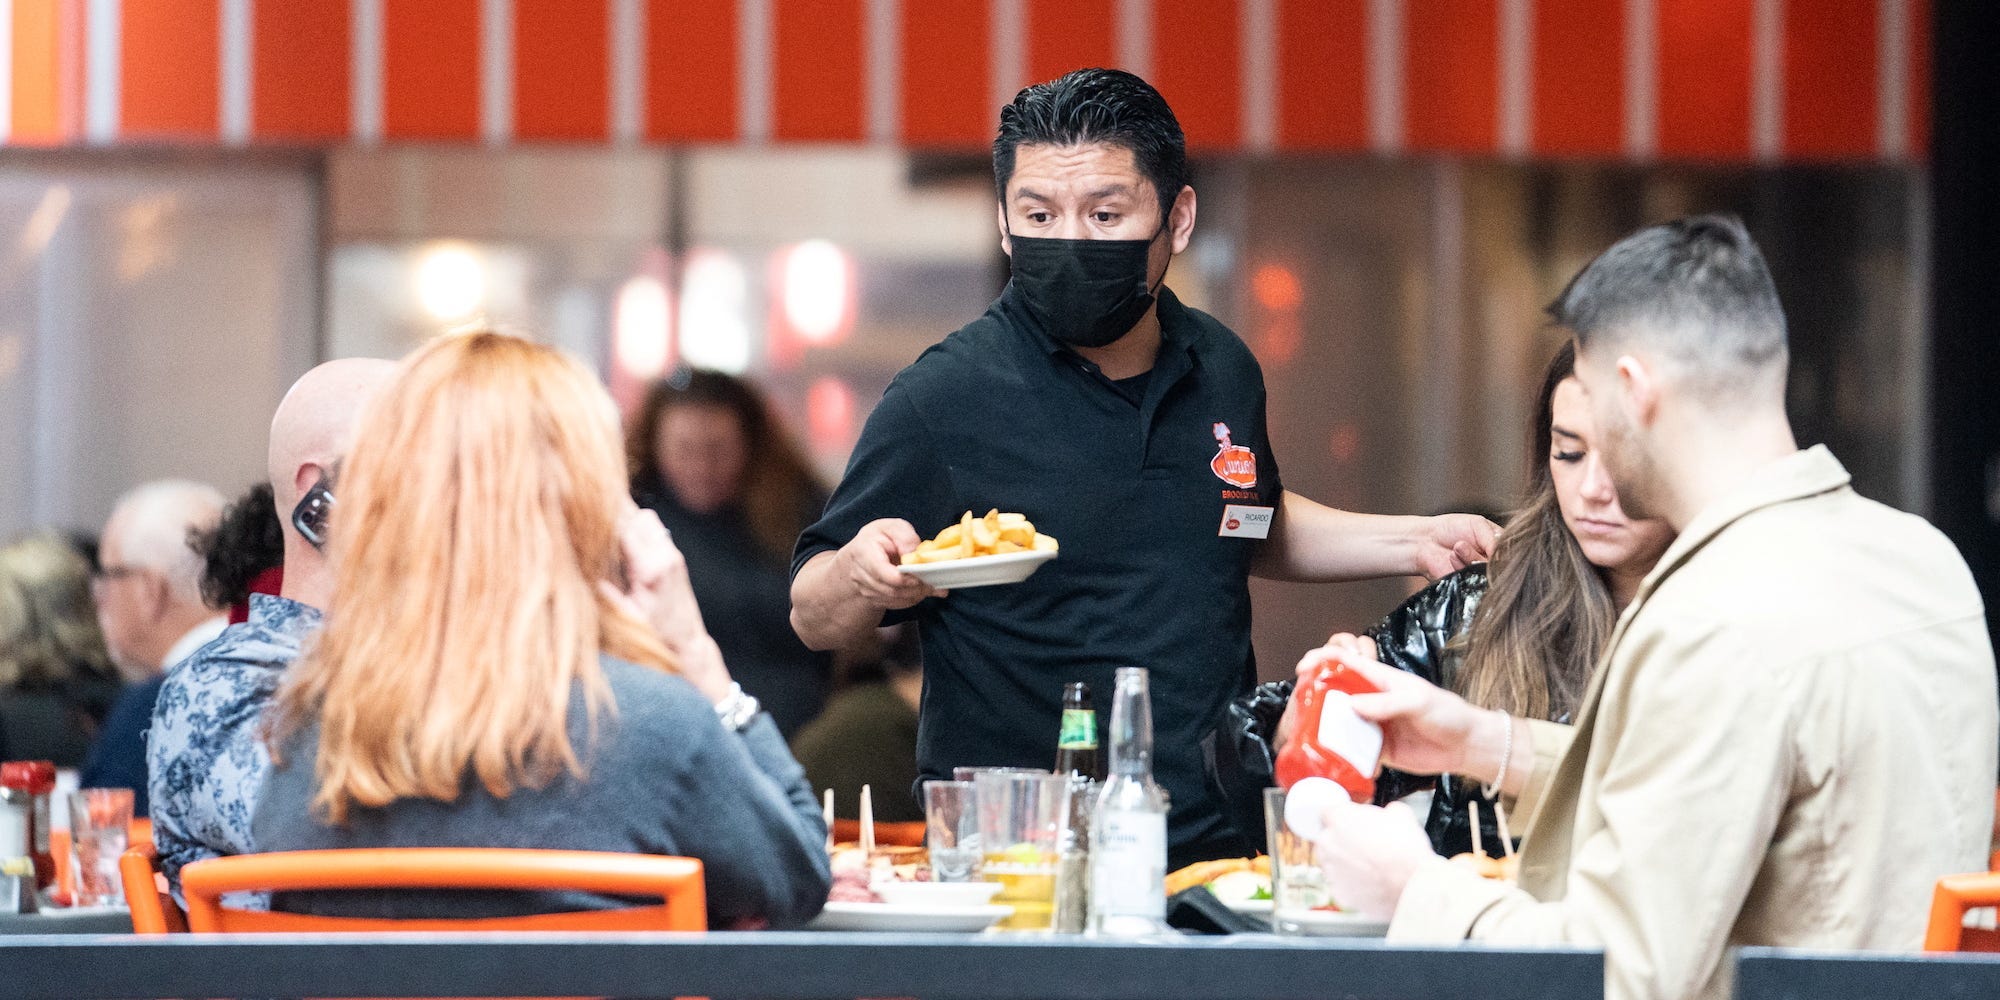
(1122, 422)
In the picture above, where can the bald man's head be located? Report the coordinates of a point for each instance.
(315, 423)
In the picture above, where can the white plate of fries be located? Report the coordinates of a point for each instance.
(981, 552)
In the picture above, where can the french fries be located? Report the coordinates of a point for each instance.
(992, 535)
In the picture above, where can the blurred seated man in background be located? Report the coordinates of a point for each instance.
(1793, 733)
(206, 760)
(148, 592)
(868, 733)
(56, 679)
(513, 657)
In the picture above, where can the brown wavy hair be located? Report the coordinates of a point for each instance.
(1547, 614)
(780, 493)
(478, 517)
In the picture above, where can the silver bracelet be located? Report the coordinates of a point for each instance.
(736, 708)
(1506, 756)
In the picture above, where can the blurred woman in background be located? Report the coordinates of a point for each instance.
(707, 454)
(1520, 634)
(512, 658)
(56, 678)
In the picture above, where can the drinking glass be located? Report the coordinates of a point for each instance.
(1022, 819)
(99, 819)
(1297, 885)
(951, 830)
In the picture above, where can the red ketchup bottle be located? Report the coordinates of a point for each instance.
(1332, 741)
(30, 783)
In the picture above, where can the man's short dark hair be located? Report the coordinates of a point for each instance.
(1696, 288)
(1096, 105)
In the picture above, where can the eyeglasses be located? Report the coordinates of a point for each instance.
(106, 574)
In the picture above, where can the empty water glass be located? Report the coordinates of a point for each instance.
(951, 830)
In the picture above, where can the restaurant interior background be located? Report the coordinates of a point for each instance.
(219, 194)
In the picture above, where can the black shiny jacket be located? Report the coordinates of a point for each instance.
(1414, 637)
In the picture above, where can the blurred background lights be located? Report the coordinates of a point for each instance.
(451, 282)
(715, 330)
(1277, 288)
(830, 413)
(817, 286)
(641, 342)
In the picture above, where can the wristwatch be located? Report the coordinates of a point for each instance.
(737, 708)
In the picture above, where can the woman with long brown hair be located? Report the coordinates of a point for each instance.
(709, 456)
(512, 658)
(1520, 634)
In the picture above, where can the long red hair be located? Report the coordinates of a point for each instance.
(477, 518)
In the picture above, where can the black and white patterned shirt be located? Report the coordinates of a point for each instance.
(205, 761)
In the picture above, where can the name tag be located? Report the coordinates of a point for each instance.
(1239, 521)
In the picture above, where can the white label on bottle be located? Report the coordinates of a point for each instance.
(1128, 865)
(1348, 734)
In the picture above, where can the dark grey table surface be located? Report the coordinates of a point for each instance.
(1784, 974)
(96, 920)
(780, 966)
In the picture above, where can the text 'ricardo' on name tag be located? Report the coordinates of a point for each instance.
(1239, 521)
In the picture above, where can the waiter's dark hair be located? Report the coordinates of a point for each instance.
(1096, 105)
(1696, 289)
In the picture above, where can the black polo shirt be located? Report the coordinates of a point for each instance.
(1129, 478)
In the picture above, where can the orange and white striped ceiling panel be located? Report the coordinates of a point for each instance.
(1745, 80)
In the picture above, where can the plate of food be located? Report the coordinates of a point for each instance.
(923, 917)
(1242, 884)
(897, 892)
(1326, 921)
(985, 551)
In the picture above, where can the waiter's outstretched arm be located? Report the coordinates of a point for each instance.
(1311, 542)
(839, 596)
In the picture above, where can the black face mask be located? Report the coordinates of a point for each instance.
(1085, 293)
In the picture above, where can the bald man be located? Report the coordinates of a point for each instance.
(205, 759)
(148, 593)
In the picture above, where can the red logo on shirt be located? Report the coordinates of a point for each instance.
(1233, 463)
(1232, 524)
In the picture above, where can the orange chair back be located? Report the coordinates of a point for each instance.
(847, 831)
(153, 908)
(676, 882)
(1954, 897)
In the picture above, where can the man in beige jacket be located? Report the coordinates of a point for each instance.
(1793, 732)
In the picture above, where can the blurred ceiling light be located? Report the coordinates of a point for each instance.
(715, 332)
(1277, 288)
(640, 333)
(818, 291)
(451, 282)
(829, 414)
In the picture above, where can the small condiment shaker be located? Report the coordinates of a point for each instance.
(28, 785)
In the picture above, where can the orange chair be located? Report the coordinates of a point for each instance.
(1955, 895)
(847, 831)
(677, 882)
(153, 908)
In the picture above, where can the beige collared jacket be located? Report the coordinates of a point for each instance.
(1791, 737)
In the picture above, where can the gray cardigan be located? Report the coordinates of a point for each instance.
(662, 777)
